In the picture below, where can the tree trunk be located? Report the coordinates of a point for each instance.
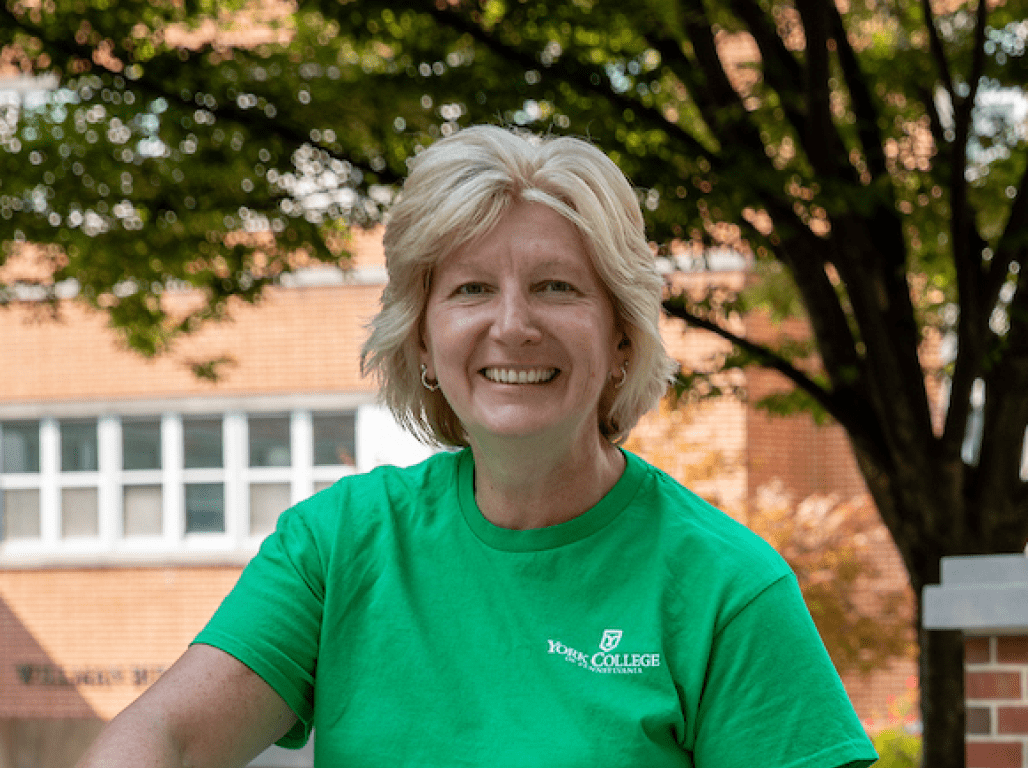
(941, 654)
(941, 667)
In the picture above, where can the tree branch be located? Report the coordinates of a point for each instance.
(863, 103)
(697, 26)
(1006, 409)
(63, 48)
(934, 119)
(781, 70)
(974, 314)
(938, 52)
(963, 220)
(579, 76)
(1012, 245)
(716, 98)
(675, 307)
(819, 130)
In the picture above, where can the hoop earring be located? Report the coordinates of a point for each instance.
(424, 380)
(624, 376)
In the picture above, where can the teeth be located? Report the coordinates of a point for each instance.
(506, 376)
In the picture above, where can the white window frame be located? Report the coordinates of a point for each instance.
(26, 481)
(137, 477)
(278, 475)
(377, 439)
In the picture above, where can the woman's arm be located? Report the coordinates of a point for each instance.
(207, 710)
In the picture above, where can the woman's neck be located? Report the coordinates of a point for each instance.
(526, 485)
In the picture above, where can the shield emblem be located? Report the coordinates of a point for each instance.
(610, 640)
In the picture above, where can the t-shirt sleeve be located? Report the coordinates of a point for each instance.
(271, 619)
(772, 696)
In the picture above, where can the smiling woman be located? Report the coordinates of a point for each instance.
(521, 335)
(460, 191)
(541, 596)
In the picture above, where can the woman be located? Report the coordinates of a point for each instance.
(539, 597)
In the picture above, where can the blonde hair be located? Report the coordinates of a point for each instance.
(458, 189)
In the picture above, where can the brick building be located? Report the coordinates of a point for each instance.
(131, 493)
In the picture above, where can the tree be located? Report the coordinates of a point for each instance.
(869, 157)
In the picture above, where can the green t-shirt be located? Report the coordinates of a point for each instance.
(652, 630)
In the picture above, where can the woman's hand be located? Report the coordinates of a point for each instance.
(207, 710)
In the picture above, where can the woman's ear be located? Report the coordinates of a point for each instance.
(422, 340)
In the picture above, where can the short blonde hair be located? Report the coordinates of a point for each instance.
(458, 189)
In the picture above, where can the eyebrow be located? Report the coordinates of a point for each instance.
(559, 262)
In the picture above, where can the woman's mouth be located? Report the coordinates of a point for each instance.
(511, 376)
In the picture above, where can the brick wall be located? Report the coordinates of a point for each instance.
(294, 340)
(996, 688)
(85, 642)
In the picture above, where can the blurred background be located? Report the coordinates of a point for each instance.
(191, 206)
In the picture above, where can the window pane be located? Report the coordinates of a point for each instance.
(320, 485)
(78, 446)
(79, 513)
(20, 446)
(267, 502)
(143, 510)
(205, 508)
(202, 438)
(269, 441)
(333, 439)
(141, 444)
(20, 514)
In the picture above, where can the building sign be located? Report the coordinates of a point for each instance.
(52, 675)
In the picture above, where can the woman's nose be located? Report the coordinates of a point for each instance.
(515, 321)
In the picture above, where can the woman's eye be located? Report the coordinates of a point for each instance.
(470, 289)
(558, 286)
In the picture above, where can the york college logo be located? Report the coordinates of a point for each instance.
(604, 661)
(610, 640)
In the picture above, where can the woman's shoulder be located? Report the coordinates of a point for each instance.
(360, 504)
(382, 482)
(697, 535)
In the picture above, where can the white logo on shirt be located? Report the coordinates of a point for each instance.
(610, 639)
(603, 661)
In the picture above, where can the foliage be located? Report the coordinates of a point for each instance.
(831, 546)
(870, 156)
(899, 744)
(897, 748)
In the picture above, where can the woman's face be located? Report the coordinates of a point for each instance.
(520, 332)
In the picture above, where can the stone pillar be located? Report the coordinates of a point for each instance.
(986, 597)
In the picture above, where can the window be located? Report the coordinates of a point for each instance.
(334, 439)
(270, 473)
(142, 507)
(80, 513)
(202, 443)
(142, 510)
(19, 498)
(141, 444)
(20, 446)
(205, 508)
(170, 483)
(80, 502)
(204, 451)
(20, 514)
(79, 446)
(269, 441)
(267, 502)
